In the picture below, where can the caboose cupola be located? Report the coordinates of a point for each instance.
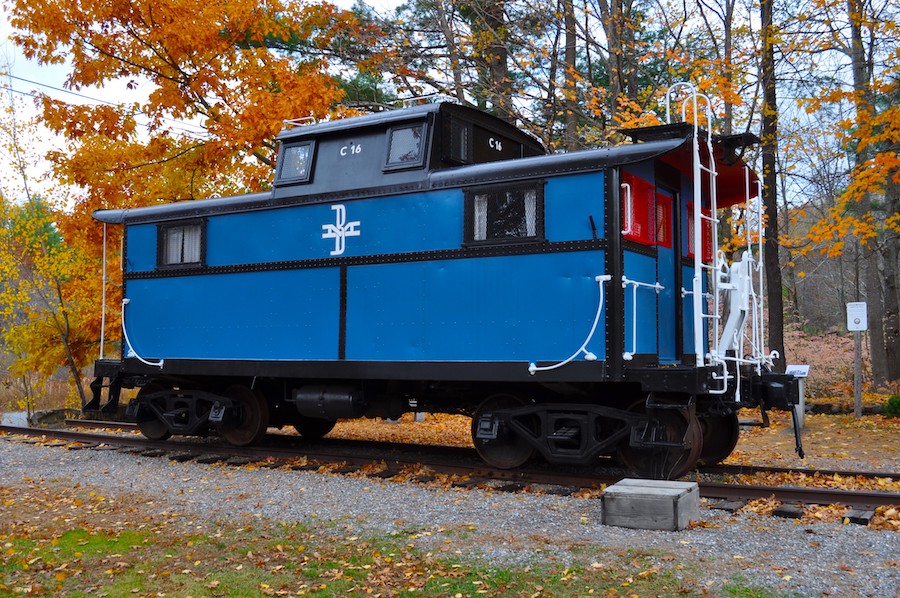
(392, 151)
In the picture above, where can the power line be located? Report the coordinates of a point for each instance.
(24, 93)
(193, 133)
(68, 91)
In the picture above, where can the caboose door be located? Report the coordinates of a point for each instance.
(650, 265)
(667, 275)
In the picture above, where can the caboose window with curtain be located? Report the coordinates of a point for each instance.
(505, 214)
(181, 245)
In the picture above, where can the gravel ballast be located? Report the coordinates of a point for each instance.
(514, 530)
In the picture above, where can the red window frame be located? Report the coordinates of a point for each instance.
(663, 219)
(641, 227)
(706, 233)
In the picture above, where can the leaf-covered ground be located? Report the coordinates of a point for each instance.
(58, 541)
(830, 442)
(61, 540)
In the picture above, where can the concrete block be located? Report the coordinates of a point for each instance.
(650, 504)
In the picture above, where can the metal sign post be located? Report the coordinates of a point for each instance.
(857, 322)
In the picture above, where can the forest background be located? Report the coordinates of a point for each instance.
(817, 80)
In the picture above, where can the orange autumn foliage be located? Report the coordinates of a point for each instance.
(211, 83)
(221, 77)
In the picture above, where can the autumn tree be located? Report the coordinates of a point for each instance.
(853, 64)
(211, 84)
(217, 79)
(545, 64)
(48, 282)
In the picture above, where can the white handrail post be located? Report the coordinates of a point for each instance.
(629, 209)
(103, 295)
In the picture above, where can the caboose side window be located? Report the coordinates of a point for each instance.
(296, 163)
(663, 219)
(638, 213)
(460, 141)
(181, 245)
(505, 214)
(706, 232)
(406, 146)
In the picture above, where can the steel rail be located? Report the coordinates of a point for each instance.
(99, 423)
(857, 499)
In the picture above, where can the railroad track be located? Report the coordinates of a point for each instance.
(462, 464)
(721, 469)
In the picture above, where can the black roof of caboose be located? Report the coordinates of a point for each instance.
(416, 149)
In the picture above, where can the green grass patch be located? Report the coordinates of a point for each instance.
(68, 542)
(283, 560)
(740, 587)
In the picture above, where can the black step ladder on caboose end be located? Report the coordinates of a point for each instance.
(106, 376)
(106, 371)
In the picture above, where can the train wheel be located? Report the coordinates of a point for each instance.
(507, 450)
(720, 436)
(252, 418)
(664, 463)
(313, 428)
(148, 423)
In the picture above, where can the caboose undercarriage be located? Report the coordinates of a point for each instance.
(660, 423)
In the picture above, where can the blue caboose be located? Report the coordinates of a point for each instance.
(435, 259)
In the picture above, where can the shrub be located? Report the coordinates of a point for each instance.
(892, 408)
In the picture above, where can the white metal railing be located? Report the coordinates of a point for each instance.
(703, 270)
(629, 209)
(588, 356)
(131, 351)
(699, 218)
(635, 285)
(290, 123)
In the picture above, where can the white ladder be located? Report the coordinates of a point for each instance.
(701, 268)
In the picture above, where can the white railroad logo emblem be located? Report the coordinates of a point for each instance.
(340, 230)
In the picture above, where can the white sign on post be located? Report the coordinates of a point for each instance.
(857, 322)
(799, 371)
(857, 319)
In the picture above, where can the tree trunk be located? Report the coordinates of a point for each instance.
(874, 312)
(489, 25)
(615, 16)
(571, 93)
(459, 90)
(891, 263)
(65, 336)
(891, 321)
(793, 295)
(862, 69)
(770, 186)
(728, 59)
